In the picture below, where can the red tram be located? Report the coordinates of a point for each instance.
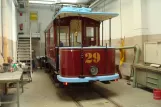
(73, 47)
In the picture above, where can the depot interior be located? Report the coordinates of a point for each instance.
(135, 35)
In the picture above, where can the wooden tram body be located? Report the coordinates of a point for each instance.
(80, 58)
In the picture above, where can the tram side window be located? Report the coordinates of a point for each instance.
(75, 33)
(47, 43)
(90, 32)
(89, 36)
(51, 42)
(51, 37)
(64, 35)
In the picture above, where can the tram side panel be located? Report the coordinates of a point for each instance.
(70, 62)
(73, 65)
(110, 65)
(94, 59)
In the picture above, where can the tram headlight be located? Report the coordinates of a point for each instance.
(93, 70)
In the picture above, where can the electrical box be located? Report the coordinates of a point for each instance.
(152, 52)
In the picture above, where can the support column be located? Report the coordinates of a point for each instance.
(1, 49)
(5, 29)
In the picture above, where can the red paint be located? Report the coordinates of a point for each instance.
(21, 26)
(110, 58)
(157, 94)
(20, 14)
(100, 65)
(72, 65)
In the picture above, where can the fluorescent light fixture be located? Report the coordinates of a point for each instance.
(74, 1)
(69, 1)
(42, 2)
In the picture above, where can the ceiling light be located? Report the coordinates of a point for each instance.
(70, 1)
(42, 2)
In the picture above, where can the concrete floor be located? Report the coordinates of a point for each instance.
(126, 96)
(42, 93)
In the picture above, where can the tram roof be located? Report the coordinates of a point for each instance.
(84, 12)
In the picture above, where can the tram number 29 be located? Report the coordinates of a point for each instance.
(92, 57)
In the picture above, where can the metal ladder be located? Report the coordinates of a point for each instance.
(24, 54)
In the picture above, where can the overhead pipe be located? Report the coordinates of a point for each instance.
(136, 60)
(91, 5)
(2, 30)
(136, 50)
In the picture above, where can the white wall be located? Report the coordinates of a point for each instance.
(9, 27)
(136, 17)
(44, 18)
(127, 18)
(0, 21)
(122, 25)
(1, 58)
(153, 16)
(14, 31)
(24, 19)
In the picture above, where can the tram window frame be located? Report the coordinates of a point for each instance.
(97, 36)
(51, 37)
(92, 32)
(76, 32)
(64, 33)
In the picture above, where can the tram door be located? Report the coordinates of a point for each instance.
(92, 36)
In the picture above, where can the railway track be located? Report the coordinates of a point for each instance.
(109, 99)
(89, 97)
